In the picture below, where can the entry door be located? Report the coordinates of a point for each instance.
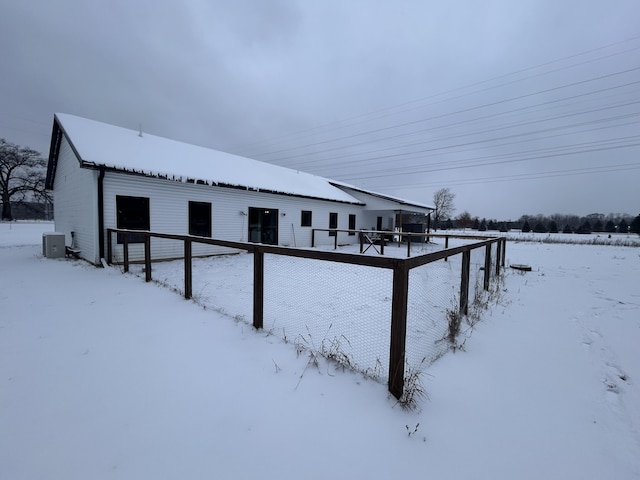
(263, 225)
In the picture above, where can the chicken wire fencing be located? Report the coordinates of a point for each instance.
(338, 310)
(433, 292)
(343, 311)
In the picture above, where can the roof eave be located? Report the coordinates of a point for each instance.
(200, 181)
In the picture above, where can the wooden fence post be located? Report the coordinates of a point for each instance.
(398, 329)
(188, 269)
(258, 288)
(109, 247)
(408, 245)
(147, 257)
(335, 240)
(504, 250)
(464, 282)
(313, 238)
(446, 245)
(498, 255)
(487, 266)
(125, 252)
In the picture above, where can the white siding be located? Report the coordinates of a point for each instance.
(76, 202)
(169, 213)
(374, 202)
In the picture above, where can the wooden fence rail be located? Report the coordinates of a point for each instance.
(400, 288)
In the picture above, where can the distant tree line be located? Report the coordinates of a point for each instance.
(556, 223)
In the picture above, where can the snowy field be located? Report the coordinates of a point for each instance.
(105, 376)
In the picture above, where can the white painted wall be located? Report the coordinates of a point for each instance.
(169, 203)
(76, 202)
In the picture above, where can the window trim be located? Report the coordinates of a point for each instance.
(333, 224)
(352, 223)
(198, 204)
(125, 223)
(302, 218)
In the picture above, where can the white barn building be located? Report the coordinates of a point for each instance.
(103, 176)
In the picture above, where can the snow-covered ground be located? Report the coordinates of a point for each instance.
(105, 376)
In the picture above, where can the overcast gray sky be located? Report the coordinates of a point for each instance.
(520, 107)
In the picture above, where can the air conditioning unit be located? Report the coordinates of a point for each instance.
(53, 245)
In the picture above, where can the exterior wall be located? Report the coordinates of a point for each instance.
(76, 203)
(388, 219)
(169, 207)
(374, 202)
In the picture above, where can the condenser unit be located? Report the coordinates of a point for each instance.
(53, 245)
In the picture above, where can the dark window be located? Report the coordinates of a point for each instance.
(379, 223)
(132, 214)
(200, 219)
(305, 218)
(333, 223)
(352, 223)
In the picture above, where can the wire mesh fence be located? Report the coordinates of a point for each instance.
(348, 308)
(338, 310)
(433, 292)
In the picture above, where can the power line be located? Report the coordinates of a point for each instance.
(494, 162)
(476, 161)
(467, 87)
(522, 176)
(485, 140)
(448, 114)
(432, 140)
(379, 160)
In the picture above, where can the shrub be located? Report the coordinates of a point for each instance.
(585, 228)
(539, 228)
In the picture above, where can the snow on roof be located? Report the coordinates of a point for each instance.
(401, 201)
(120, 148)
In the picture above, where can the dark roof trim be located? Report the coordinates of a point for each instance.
(54, 151)
(54, 148)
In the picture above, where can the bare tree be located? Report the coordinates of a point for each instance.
(464, 220)
(443, 201)
(22, 176)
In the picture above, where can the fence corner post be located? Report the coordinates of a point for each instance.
(258, 288)
(398, 329)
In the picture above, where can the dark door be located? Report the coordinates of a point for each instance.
(263, 225)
